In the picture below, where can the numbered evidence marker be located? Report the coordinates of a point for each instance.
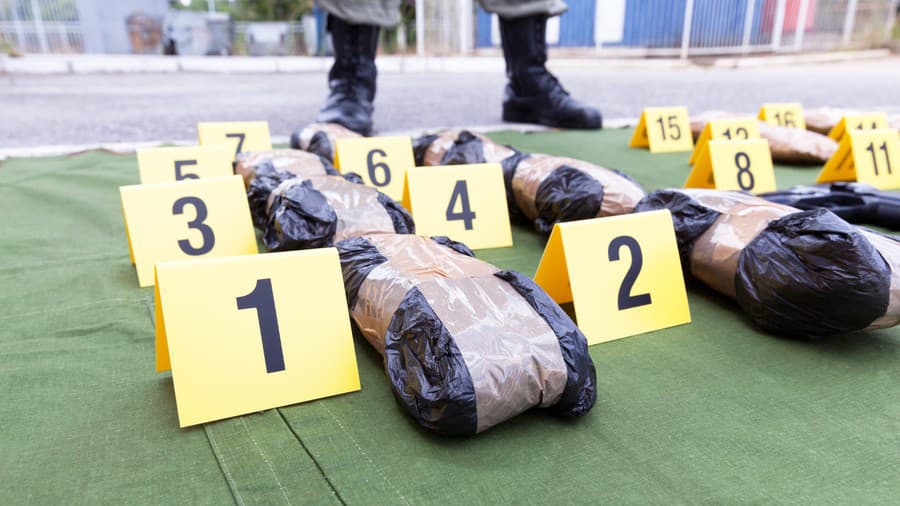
(870, 121)
(663, 130)
(243, 136)
(734, 165)
(160, 165)
(867, 156)
(737, 129)
(783, 114)
(381, 161)
(622, 272)
(244, 334)
(464, 202)
(186, 219)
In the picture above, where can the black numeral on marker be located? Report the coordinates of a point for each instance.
(240, 137)
(373, 167)
(179, 174)
(742, 162)
(739, 133)
(626, 300)
(466, 215)
(206, 233)
(262, 300)
(887, 160)
(674, 129)
(787, 120)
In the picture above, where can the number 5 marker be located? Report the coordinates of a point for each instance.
(635, 285)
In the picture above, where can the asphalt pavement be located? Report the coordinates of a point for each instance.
(140, 107)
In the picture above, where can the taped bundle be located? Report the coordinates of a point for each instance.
(263, 171)
(465, 345)
(300, 163)
(552, 189)
(460, 147)
(545, 189)
(795, 273)
(788, 145)
(321, 138)
(316, 212)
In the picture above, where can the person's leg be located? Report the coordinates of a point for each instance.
(533, 94)
(354, 27)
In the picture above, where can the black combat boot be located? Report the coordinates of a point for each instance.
(352, 77)
(533, 94)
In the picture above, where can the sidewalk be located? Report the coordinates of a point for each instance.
(97, 63)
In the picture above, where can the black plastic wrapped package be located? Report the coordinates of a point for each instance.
(299, 163)
(316, 212)
(795, 273)
(321, 138)
(552, 189)
(465, 345)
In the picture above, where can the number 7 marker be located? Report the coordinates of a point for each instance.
(582, 258)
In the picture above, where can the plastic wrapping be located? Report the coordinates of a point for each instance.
(319, 211)
(823, 119)
(321, 138)
(299, 163)
(788, 145)
(263, 171)
(465, 346)
(551, 189)
(458, 147)
(795, 273)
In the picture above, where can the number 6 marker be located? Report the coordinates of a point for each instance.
(635, 285)
(380, 161)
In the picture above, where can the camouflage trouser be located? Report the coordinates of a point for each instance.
(387, 12)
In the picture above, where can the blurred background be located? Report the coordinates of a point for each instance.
(615, 28)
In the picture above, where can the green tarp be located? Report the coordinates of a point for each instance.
(712, 412)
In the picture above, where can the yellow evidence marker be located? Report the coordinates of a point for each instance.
(186, 219)
(788, 114)
(244, 334)
(464, 202)
(663, 130)
(867, 156)
(737, 129)
(623, 274)
(381, 161)
(870, 121)
(242, 136)
(161, 165)
(734, 165)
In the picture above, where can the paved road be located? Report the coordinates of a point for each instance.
(81, 109)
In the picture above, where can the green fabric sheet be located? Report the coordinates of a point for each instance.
(710, 412)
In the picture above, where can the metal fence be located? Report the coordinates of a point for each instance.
(618, 27)
(45, 26)
(702, 27)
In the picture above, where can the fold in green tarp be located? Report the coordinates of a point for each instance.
(714, 411)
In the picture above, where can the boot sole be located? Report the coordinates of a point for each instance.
(513, 114)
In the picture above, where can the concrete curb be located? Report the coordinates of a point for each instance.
(100, 64)
(124, 148)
